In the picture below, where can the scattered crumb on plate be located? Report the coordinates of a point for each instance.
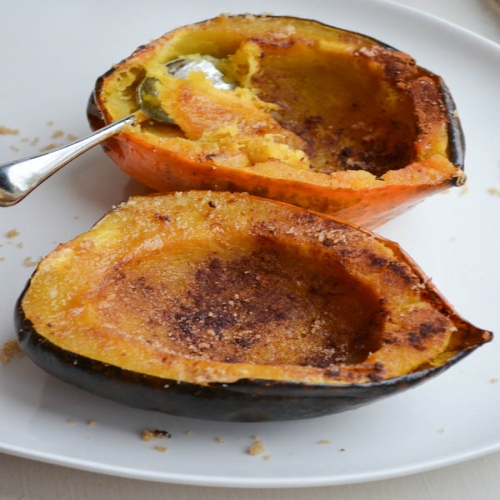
(8, 131)
(90, 423)
(494, 191)
(256, 448)
(324, 441)
(161, 449)
(464, 190)
(9, 351)
(12, 233)
(48, 147)
(71, 421)
(147, 436)
(29, 262)
(220, 440)
(150, 434)
(494, 380)
(160, 434)
(441, 431)
(57, 134)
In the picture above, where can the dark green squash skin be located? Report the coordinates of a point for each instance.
(247, 400)
(456, 138)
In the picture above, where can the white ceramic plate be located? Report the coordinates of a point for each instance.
(51, 55)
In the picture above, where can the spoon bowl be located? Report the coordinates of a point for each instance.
(148, 94)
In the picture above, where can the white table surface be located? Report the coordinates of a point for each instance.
(475, 480)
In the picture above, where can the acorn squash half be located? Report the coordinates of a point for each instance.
(226, 306)
(322, 118)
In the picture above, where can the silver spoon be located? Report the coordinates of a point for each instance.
(19, 178)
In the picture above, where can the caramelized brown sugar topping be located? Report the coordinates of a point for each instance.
(312, 97)
(261, 307)
(214, 287)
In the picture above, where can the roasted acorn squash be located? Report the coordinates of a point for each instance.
(231, 307)
(323, 118)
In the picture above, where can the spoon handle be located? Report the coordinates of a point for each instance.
(19, 178)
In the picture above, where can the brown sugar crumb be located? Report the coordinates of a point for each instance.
(71, 421)
(49, 147)
(494, 380)
(266, 457)
(71, 137)
(324, 441)
(29, 262)
(161, 434)
(90, 423)
(220, 440)
(149, 435)
(57, 134)
(8, 131)
(9, 351)
(14, 148)
(256, 448)
(331, 238)
(2, 259)
(12, 233)
(494, 191)
(161, 449)
(50, 123)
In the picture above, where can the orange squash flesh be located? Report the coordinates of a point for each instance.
(322, 118)
(207, 287)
